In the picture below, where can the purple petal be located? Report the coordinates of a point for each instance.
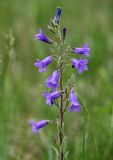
(38, 125)
(74, 102)
(42, 37)
(82, 50)
(85, 61)
(50, 97)
(80, 70)
(52, 81)
(85, 45)
(74, 108)
(41, 64)
(43, 69)
(85, 68)
(73, 97)
(80, 64)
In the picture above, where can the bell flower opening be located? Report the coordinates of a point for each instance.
(41, 64)
(50, 97)
(74, 102)
(42, 37)
(79, 64)
(85, 50)
(36, 126)
(52, 81)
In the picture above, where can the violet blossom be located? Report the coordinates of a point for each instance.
(38, 125)
(41, 64)
(83, 50)
(80, 64)
(42, 37)
(57, 16)
(50, 97)
(52, 81)
(74, 102)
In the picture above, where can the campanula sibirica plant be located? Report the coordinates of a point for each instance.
(64, 97)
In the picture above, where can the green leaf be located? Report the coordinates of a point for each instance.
(66, 155)
(56, 151)
(64, 143)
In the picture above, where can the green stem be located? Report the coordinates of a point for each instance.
(61, 155)
(84, 126)
(84, 131)
(61, 120)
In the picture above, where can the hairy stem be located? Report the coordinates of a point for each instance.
(61, 155)
(84, 135)
(61, 120)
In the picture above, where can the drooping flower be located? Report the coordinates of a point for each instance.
(79, 64)
(42, 37)
(50, 97)
(52, 81)
(38, 125)
(57, 16)
(74, 102)
(83, 50)
(41, 64)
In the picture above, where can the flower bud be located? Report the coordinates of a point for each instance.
(64, 31)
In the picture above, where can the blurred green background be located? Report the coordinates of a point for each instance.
(21, 85)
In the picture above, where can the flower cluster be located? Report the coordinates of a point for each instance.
(80, 64)
(52, 92)
(60, 92)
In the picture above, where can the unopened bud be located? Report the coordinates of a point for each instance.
(64, 33)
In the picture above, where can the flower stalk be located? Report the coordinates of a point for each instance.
(56, 93)
(61, 116)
